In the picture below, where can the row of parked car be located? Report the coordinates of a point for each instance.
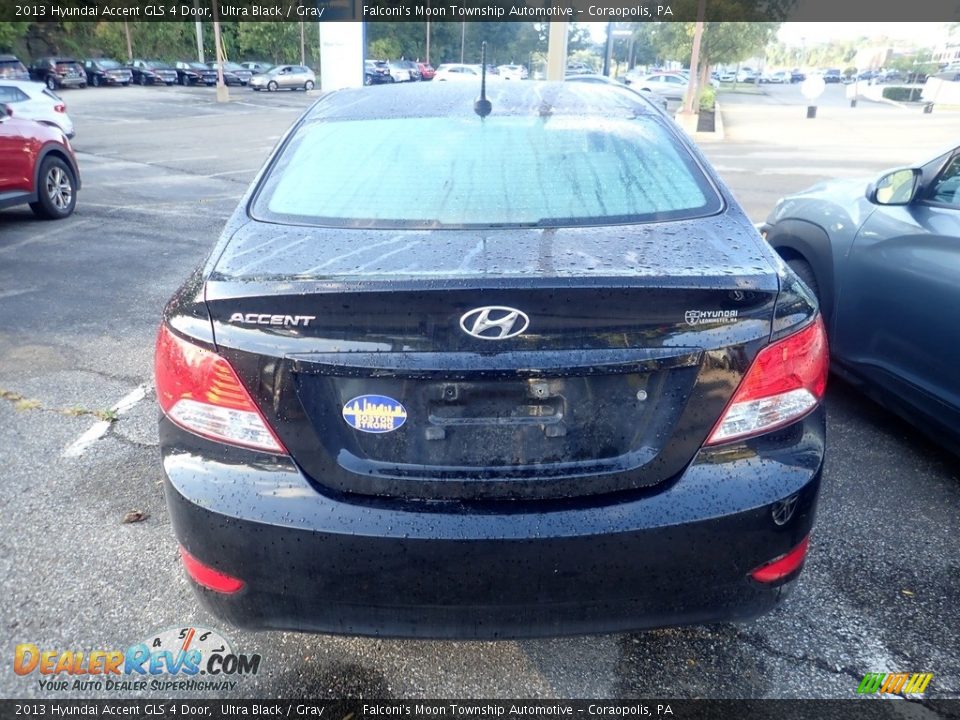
(377, 72)
(783, 77)
(58, 72)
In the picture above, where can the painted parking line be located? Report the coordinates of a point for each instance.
(99, 428)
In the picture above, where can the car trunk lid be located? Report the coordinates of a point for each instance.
(366, 366)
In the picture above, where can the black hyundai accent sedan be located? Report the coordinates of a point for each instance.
(565, 387)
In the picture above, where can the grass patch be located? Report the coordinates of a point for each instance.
(741, 89)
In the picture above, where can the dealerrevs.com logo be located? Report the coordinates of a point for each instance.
(187, 658)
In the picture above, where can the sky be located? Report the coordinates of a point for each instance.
(926, 33)
(797, 33)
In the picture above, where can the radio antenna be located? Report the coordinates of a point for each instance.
(482, 106)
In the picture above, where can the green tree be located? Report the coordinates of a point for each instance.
(10, 32)
(278, 42)
(722, 42)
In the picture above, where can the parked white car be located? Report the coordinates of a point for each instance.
(669, 85)
(33, 101)
(457, 71)
(398, 72)
(512, 72)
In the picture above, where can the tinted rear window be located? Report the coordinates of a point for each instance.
(503, 171)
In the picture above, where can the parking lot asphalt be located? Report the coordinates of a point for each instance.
(80, 301)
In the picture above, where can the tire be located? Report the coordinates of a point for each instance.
(308, 85)
(126, 84)
(56, 190)
(51, 82)
(96, 81)
(142, 81)
(367, 80)
(803, 270)
(390, 79)
(82, 86)
(272, 86)
(183, 80)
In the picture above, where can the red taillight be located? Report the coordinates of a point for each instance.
(785, 382)
(208, 577)
(60, 107)
(198, 390)
(783, 566)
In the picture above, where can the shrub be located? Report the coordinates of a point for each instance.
(900, 94)
(708, 99)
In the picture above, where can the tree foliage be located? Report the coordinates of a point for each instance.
(722, 43)
(10, 32)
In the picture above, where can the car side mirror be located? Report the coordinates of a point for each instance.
(896, 187)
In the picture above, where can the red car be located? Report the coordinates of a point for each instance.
(426, 71)
(37, 167)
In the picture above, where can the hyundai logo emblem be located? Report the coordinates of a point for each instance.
(494, 322)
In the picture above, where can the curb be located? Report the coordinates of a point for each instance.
(719, 133)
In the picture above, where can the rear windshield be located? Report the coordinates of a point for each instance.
(11, 67)
(421, 173)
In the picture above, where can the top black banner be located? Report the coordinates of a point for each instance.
(482, 10)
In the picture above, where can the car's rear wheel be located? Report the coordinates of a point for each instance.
(272, 86)
(805, 272)
(368, 80)
(390, 79)
(308, 85)
(51, 82)
(56, 190)
(96, 81)
(142, 80)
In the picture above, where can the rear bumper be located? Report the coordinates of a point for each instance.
(674, 555)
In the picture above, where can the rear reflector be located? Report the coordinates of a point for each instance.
(783, 566)
(786, 381)
(199, 391)
(208, 577)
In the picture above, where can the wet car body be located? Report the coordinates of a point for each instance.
(556, 481)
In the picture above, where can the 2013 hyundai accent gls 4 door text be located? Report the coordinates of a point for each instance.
(563, 387)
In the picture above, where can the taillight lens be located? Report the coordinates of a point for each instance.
(209, 577)
(784, 566)
(785, 382)
(199, 391)
(60, 107)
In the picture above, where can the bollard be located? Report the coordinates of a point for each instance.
(853, 102)
(811, 112)
(928, 108)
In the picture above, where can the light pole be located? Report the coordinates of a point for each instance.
(463, 39)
